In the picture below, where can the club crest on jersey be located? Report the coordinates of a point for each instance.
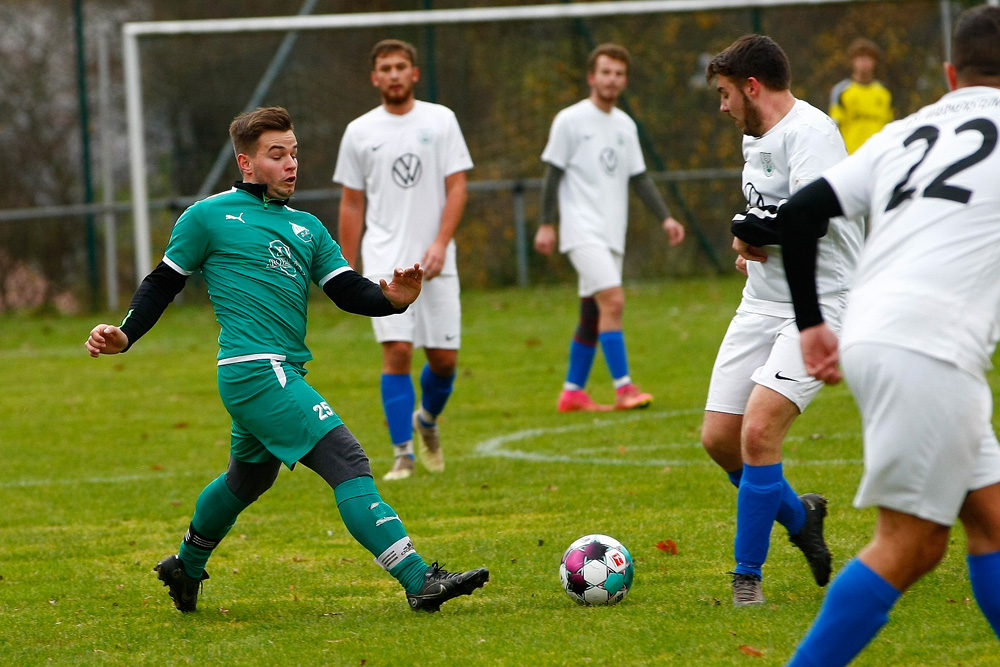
(281, 259)
(609, 160)
(767, 163)
(301, 232)
(424, 135)
(406, 170)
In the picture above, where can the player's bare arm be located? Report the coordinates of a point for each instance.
(405, 286)
(749, 252)
(545, 239)
(351, 220)
(674, 231)
(106, 339)
(456, 197)
(821, 353)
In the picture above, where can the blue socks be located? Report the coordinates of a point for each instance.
(758, 500)
(398, 399)
(984, 575)
(856, 607)
(435, 390)
(613, 347)
(791, 513)
(581, 358)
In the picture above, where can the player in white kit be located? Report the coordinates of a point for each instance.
(921, 325)
(408, 159)
(593, 156)
(759, 384)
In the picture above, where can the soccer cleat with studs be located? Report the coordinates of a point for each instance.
(810, 539)
(630, 397)
(577, 400)
(182, 588)
(746, 590)
(441, 586)
(430, 444)
(402, 468)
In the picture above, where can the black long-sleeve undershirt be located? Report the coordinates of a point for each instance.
(350, 291)
(801, 221)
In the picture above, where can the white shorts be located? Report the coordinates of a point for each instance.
(928, 431)
(764, 350)
(433, 321)
(598, 267)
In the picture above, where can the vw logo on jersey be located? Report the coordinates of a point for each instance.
(406, 170)
(281, 258)
(609, 160)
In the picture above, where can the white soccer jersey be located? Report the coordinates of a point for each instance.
(792, 154)
(401, 162)
(929, 276)
(599, 152)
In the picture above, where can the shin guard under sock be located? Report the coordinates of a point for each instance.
(856, 607)
(375, 525)
(215, 513)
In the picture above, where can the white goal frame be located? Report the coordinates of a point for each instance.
(132, 32)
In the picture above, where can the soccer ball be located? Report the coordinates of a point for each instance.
(596, 569)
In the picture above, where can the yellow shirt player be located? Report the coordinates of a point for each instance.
(861, 105)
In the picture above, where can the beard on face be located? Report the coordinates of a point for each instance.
(397, 96)
(752, 121)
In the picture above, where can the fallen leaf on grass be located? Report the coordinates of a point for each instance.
(751, 651)
(667, 546)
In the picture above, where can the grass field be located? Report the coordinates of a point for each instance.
(103, 459)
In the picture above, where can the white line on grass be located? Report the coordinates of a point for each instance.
(118, 479)
(496, 447)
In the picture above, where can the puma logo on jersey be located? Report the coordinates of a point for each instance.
(236, 217)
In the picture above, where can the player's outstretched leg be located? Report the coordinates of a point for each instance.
(439, 586)
(182, 588)
(379, 529)
(810, 539)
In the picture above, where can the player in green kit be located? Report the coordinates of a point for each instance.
(258, 257)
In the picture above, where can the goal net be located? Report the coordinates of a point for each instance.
(505, 72)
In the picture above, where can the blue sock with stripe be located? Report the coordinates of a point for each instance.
(856, 607)
(984, 575)
(757, 506)
(398, 399)
(435, 390)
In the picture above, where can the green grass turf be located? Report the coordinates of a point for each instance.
(102, 461)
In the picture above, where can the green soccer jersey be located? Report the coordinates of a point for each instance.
(258, 257)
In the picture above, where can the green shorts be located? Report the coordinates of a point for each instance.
(274, 410)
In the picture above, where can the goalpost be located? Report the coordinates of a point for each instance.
(133, 32)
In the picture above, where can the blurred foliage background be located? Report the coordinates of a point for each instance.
(504, 80)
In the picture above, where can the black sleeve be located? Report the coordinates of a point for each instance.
(354, 293)
(642, 184)
(757, 225)
(155, 293)
(550, 194)
(801, 221)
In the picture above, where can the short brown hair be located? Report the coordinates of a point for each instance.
(615, 51)
(247, 127)
(975, 50)
(864, 47)
(756, 56)
(387, 46)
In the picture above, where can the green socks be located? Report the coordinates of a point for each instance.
(375, 525)
(215, 513)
